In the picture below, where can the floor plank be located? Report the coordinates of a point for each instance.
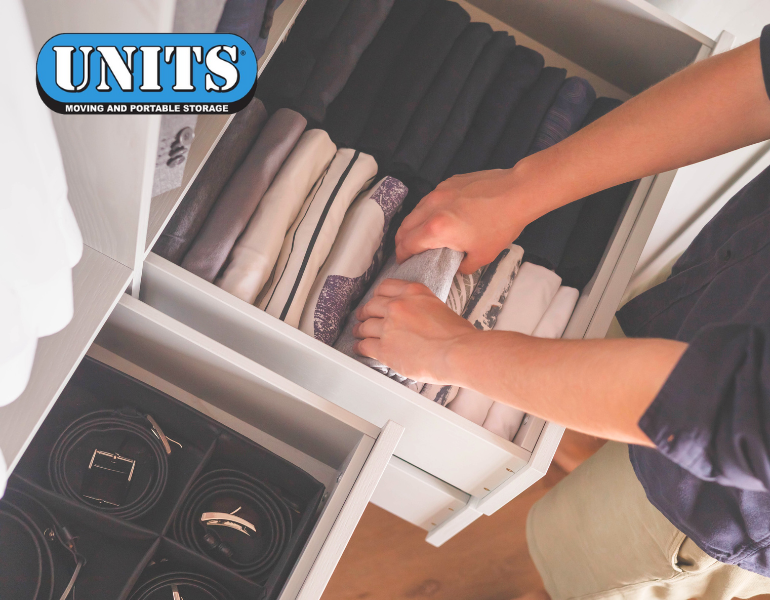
(388, 559)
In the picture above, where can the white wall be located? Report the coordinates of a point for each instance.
(700, 190)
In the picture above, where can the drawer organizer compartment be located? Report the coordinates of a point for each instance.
(251, 504)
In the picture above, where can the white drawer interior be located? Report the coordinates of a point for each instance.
(345, 453)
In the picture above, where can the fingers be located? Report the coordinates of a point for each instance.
(391, 288)
(371, 328)
(376, 308)
(471, 264)
(368, 347)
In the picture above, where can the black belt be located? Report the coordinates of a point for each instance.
(42, 527)
(130, 424)
(253, 554)
(163, 587)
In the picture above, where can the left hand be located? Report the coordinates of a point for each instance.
(406, 327)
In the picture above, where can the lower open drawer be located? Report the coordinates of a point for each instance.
(344, 454)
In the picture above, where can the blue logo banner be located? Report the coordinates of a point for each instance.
(140, 73)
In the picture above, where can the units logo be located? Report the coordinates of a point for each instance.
(140, 73)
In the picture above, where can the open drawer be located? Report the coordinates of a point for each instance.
(343, 452)
(487, 469)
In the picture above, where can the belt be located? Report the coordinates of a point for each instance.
(175, 586)
(36, 521)
(226, 491)
(72, 444)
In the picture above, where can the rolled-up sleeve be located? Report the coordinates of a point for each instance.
(712, 416)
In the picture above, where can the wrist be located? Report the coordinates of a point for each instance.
(457, 360)
(532, 188)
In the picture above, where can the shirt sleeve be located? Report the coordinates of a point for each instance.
(764, 51)
(712, 416)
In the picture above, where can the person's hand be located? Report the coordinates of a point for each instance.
(406, 327)
(475, 213)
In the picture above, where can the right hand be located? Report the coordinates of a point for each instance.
(474, 213)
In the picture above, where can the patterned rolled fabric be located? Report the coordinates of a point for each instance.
(459, 121)
(434, 268)
(226, 157)
(357, 27)
(346, 117)
(435, 107)
(545, 239)
(310, 239)
(255, 253)
(518, 74)
(410, 76)
(483, 307)
(353, 261)
(240, 197)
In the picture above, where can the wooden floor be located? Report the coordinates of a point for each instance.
(388, 558)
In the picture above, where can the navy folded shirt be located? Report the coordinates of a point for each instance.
(518, 74)
(410, 77)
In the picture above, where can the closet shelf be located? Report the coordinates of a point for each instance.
(98, 283)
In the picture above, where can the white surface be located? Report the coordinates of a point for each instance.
(17, 345)
(417, 497)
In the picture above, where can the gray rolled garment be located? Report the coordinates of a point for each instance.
(433, 268)
(238, 201)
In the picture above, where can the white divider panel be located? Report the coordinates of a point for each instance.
(436, 440)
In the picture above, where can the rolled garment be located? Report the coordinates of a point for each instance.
(433, 268)
(410, 76)
(287, 73)
(595, 223)
(310, 239)
(346, 117)
(242, 194)
(354, 260)
(557, 316)
(484, 306)
(435, 107)
(462, 289)
(226, 157)
(518, 74)
(545, 239)
(459, 121)
(525, 119)
(255, 253)
(352, 35)
(529, 300)
(246, 18)
(472, 405)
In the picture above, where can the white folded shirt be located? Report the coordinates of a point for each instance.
(308, 242)
(255, 253)
(558, 314)
(18, 343)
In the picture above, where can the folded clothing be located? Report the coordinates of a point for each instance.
(462, 289)
(436, 105)
(465, 107)
(595, 223)
(250, 19)
(255, 253)
(483, 307)
(354, 260)
(525, 119)
(243, 192)
(557, 315)
(346, 117)
(410, 76)
(226, 157)
(433, 268)
(308, 242)
(545, 239)
(355, 31)
(517, 75)
(471, 404)
(503, 420)
(287, 73)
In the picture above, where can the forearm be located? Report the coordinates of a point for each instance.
(599, 387)
(710, 108)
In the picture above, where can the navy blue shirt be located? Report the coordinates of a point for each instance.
(710, 474)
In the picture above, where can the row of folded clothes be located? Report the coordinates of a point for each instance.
(299, 230)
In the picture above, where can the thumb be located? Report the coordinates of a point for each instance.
(471, 263)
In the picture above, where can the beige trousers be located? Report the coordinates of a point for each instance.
(596, 536)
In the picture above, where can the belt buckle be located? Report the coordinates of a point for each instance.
(108, 478)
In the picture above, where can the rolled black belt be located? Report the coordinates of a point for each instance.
(237, 520)
(187, 586)
(113, 460)
(28, 529)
